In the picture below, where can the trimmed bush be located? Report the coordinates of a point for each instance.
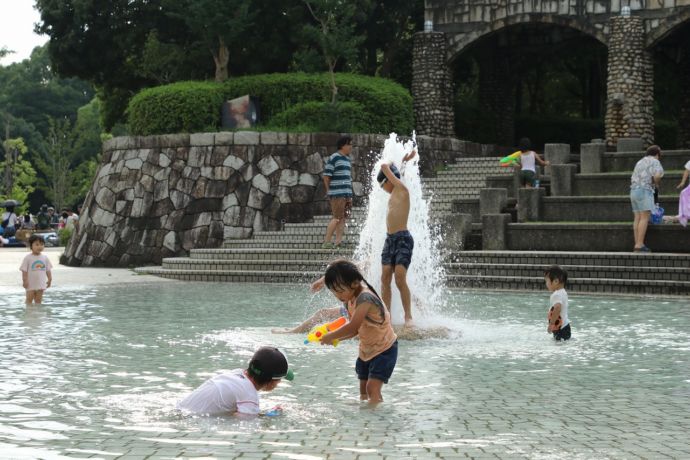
(195, 106)
(324, 116)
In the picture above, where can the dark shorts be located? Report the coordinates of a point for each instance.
(380, 367)
(397, 250)
(563, 333)
(527, 177)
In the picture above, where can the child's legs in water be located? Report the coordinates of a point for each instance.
(32, 296)
(370, 390)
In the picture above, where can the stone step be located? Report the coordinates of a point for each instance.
(576, 285)
(591, 259)
(185, 263)
(262, 253)
(233, 276)
(287, 244)
(574, 271)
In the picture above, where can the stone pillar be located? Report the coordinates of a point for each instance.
(684, 115)
(591, 158)
(557, 154)
(497, 96)
(529, 204)
(458, 228)
(492, 200)
(432, 86)
(562, 178)
(630, 85)
(630, 144)
(494, 228)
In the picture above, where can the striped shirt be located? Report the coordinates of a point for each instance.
(339, 169)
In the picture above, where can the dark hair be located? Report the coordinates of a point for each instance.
(343, 273)
(343, 141)
(653, 150)
(268, 363)
(556, 273)
(381, 176)
(33, 238)
(524, 144)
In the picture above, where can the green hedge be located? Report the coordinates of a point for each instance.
(323, 116)
(195, 106)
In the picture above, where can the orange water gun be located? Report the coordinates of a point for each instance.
(319, 331)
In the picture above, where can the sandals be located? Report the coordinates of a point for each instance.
(643, 248)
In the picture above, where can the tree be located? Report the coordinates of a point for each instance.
(218, 23)
(334, 32)
(58, 181)
(18, 175)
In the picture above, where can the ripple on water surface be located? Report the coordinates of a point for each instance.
(97, 372)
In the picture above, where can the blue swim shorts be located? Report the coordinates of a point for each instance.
(380, 367)
(397, 250)
(641, 199)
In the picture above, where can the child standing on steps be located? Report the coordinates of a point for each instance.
(371, 321)
(559, 324)
(36, 271)
(527, 164)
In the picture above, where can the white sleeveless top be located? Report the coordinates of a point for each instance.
(527, 161)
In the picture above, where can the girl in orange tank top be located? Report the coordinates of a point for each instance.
(371, 321)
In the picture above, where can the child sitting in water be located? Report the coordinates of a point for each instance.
(236, 392)
(371, 321)
(36, 271)
(559, 324)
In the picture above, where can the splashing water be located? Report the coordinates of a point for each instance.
(425, 276)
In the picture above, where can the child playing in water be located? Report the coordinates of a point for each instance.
(559, 324)
(371, 321)
(236, 392)
(397, 250)
(36, 271)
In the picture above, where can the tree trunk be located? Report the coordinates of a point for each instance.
(221, 59)
(334, 88)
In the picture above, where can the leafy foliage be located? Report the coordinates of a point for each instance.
(17, 173)
(315, 116)
(195, 106)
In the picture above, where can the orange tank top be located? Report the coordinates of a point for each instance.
(376, 333)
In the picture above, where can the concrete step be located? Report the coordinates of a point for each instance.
(591, 259)
(287, 244)
(262, 253)
(574, 271)
(233, 276)
(185, 263)
(576, 285)
(278, 237)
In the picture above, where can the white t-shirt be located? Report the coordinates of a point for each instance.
(13, 219)
(223, 394)
(527, 161)
(37, 267)
(687, 165)
(560, 296)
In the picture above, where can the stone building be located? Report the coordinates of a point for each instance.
(632, 31)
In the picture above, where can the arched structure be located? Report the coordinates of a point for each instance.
(630, 29)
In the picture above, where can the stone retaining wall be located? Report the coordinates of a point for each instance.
(160, 196)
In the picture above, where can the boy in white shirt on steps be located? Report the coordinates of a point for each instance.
(559, 324)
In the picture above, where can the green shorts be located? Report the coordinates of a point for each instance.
(527, 177)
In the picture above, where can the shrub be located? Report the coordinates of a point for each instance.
(195, 106)
(323, 116)
(64, 235)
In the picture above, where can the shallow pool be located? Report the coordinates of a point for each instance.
(97, 372)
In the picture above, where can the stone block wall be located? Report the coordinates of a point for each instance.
(160, 196)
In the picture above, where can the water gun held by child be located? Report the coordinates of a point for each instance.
(513, 158)
(319, 331)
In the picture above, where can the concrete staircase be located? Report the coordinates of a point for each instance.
(294, 255)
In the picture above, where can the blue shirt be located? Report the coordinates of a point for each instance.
(339, 169)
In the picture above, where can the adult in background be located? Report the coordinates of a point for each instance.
(10, 222)
(645, 178)
(43, 218)
(337, 178)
